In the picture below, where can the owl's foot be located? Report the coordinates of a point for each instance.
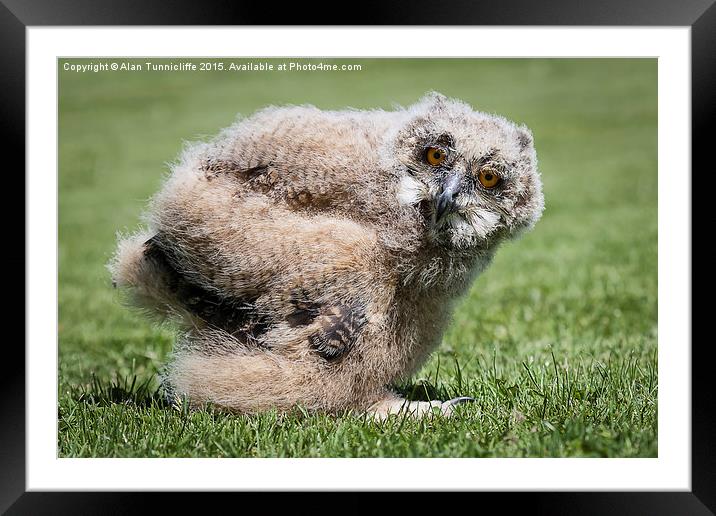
(417, 409)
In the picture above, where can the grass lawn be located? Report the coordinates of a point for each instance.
(557, 341)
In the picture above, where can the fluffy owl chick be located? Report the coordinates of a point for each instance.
(312, 257)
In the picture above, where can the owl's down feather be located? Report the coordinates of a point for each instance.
(313, 257)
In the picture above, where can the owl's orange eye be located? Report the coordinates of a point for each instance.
(488, 177)
(435, 156)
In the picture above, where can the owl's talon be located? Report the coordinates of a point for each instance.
(458, 401)
(448, 406)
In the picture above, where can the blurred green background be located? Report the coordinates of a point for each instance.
(557, 340)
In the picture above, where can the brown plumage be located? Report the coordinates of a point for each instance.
(312, 257)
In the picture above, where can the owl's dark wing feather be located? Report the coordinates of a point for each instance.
(336, 327)
(237, 316)
(301, 189)
(216, 167)
(338, 330)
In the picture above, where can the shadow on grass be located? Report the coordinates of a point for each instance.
(420, 391)
(123, 391)
(432, 388)
(126, 391)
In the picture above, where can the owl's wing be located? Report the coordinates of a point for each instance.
(335, 328)
(331, 328)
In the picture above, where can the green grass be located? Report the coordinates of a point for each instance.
(557, 341)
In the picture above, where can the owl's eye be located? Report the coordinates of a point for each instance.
(488, 177)
(435, 156)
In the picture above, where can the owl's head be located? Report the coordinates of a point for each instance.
(472, 176)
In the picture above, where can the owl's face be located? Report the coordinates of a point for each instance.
(471, 176)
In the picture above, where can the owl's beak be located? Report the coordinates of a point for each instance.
(445, 201)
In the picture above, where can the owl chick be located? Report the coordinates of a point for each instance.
(312, 257)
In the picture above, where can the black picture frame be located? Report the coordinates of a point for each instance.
(17, 15)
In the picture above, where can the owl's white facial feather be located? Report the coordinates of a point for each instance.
(462, 230)
(411, 191)
(471, 225)
(482, 221)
